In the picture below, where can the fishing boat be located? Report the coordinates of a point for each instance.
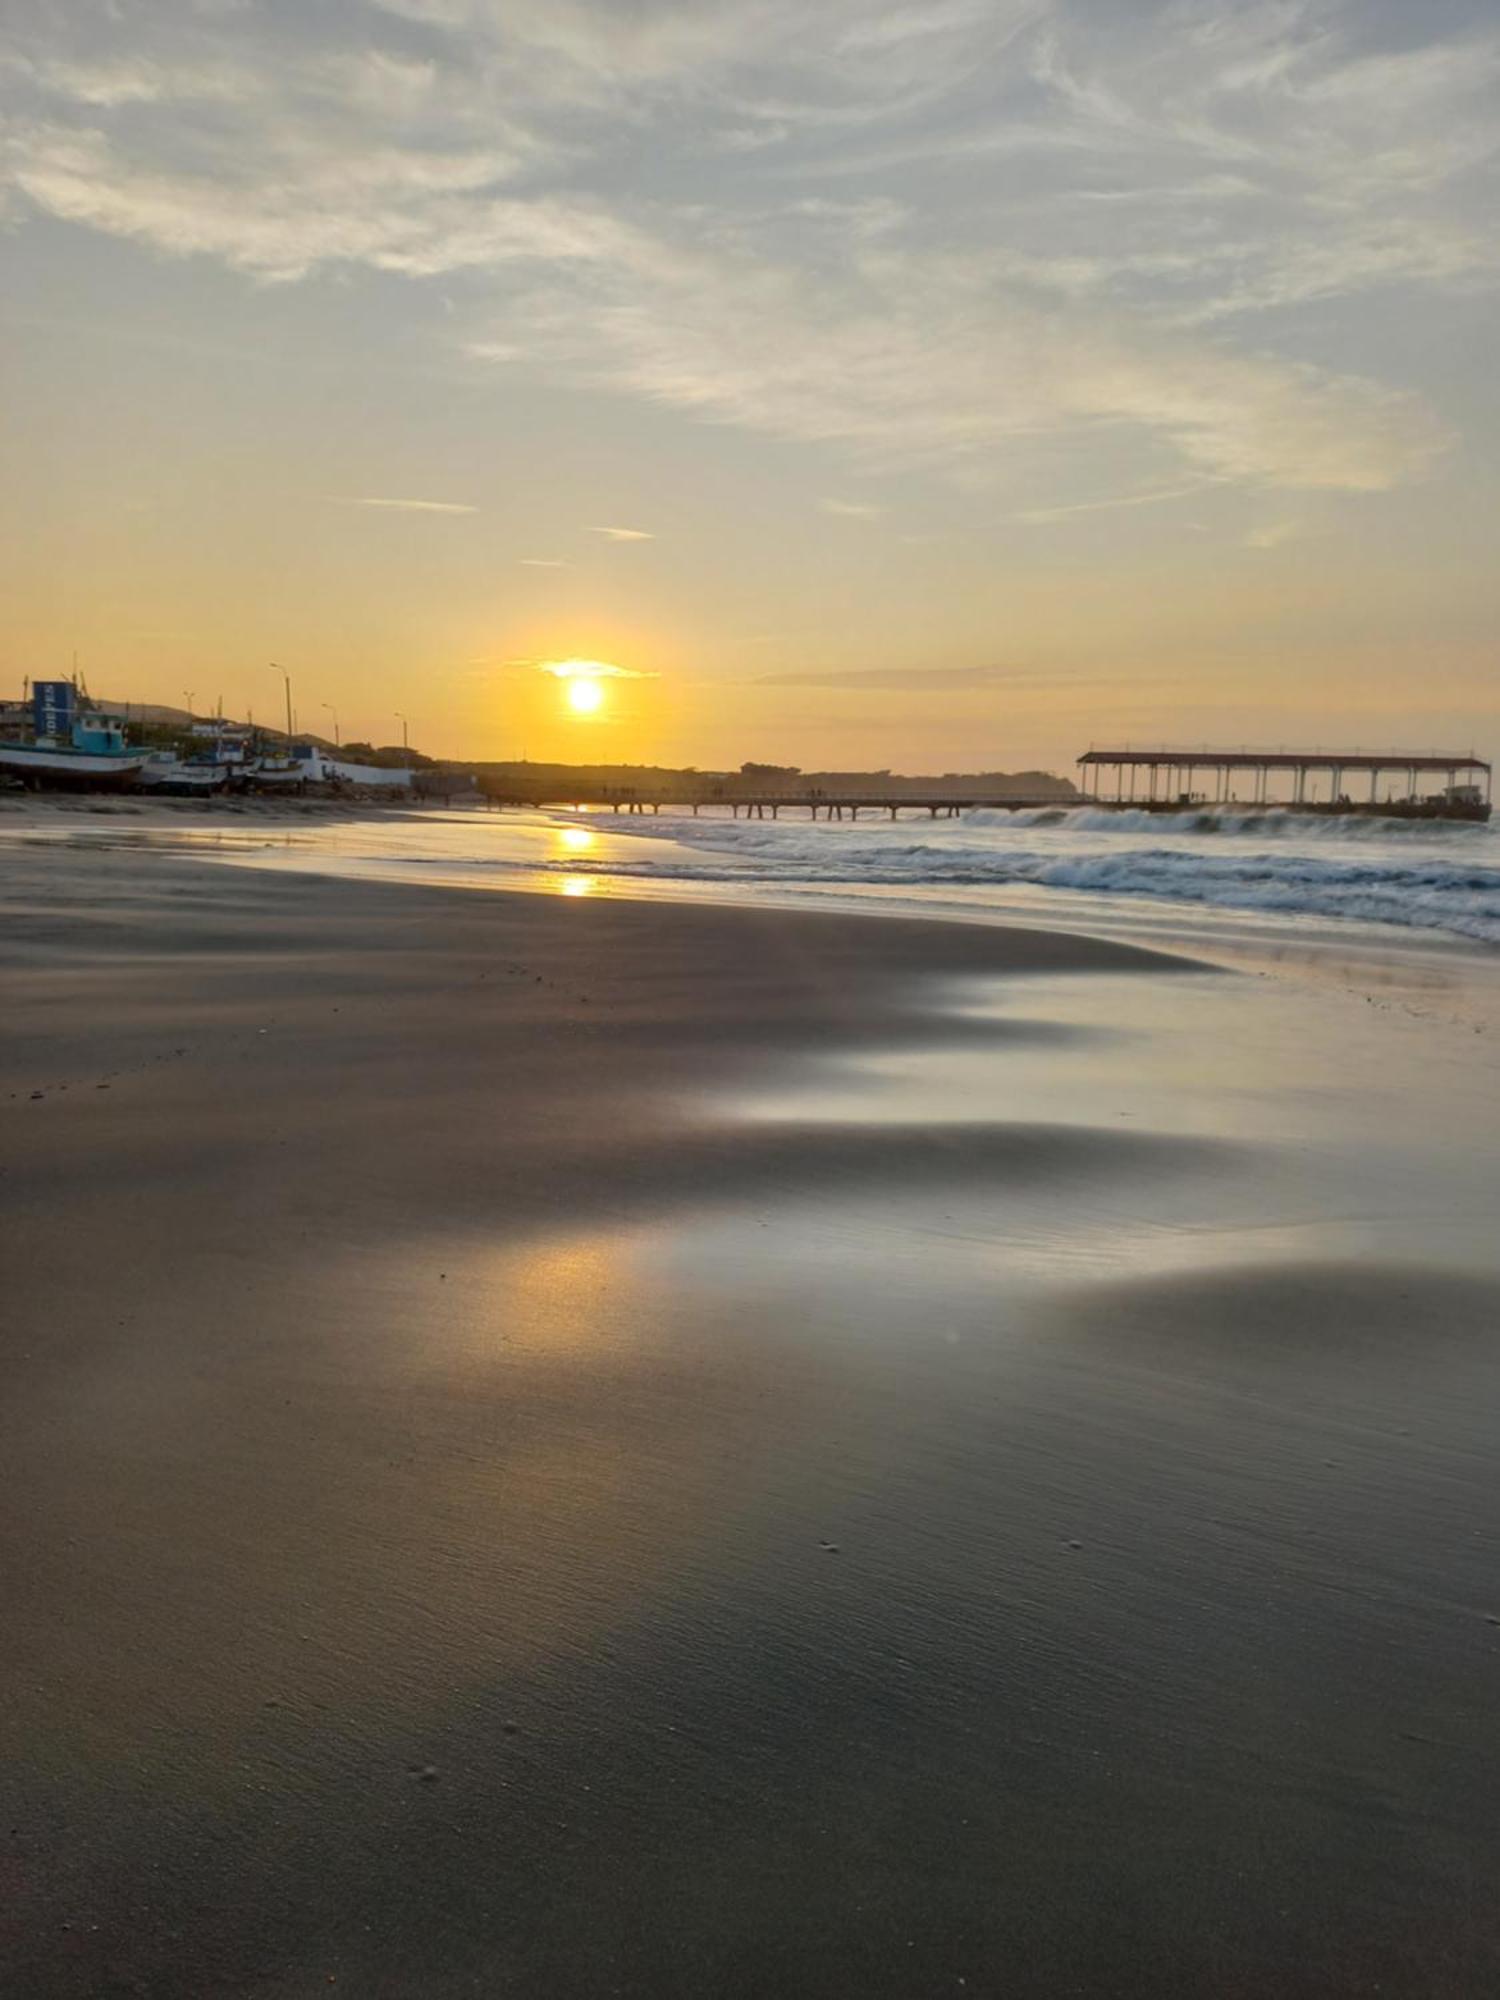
(275, 774)
(182, 777)
(93, 753)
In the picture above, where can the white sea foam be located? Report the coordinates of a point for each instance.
(1261, 822)
(1424, 875)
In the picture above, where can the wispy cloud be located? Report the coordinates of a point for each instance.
(591, 670)
(915, 358)
(1082, 224)
(850, 510)
(1041, 516)
(414, 506)
(541, 562)
(624, 534)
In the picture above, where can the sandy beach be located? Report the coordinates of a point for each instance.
(563, 1445)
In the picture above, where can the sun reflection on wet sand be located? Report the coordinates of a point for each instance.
(560, 1293)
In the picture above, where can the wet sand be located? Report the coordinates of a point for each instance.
(580, 1447)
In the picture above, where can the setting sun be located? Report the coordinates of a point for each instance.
(585, 697)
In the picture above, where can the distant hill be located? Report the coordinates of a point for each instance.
(156, 715)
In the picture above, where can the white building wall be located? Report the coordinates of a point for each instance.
(367, 774)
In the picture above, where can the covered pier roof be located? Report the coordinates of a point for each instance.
(1293, 760)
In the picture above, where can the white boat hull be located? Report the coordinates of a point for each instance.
(181, 779)
(87, 767)
(258, 777)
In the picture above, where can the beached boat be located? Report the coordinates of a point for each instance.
(94, 753)
(275, 774)
(182, 777)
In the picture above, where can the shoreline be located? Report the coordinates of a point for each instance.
(606, 1445)
(1441, 973)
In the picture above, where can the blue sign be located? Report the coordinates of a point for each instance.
(52, 705)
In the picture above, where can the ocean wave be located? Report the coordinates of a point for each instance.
(1449, 885)
(1247, 822)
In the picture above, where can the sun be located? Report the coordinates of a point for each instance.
(585, 697)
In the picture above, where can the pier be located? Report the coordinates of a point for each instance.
(1152, 779)
(1158, 779)
(768, 805)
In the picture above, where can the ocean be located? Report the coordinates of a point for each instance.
(1422, 876)
(1232, 883)
(1258, 877)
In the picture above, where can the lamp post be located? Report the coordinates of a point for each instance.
(405, 744)
(275, 669)
(187, 695)
(335, 714)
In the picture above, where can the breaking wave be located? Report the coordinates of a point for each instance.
(1418, 875)
(1258, 822)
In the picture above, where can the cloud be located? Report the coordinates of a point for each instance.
(541, 562)
(624, 534)
(1057, 224)
(898, 680)
(415, 506)
(591, 670)
(850, 510)
(912, 357)
(1041, 516)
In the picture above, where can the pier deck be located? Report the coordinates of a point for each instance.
(771, 805)
(1157, 778)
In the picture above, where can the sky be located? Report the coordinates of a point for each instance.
(924, 384)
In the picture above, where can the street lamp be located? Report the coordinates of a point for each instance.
(405, 744)
(288, 679)
(335, 714)
(187, 695)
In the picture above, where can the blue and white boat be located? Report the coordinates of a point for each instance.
(69, 745)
